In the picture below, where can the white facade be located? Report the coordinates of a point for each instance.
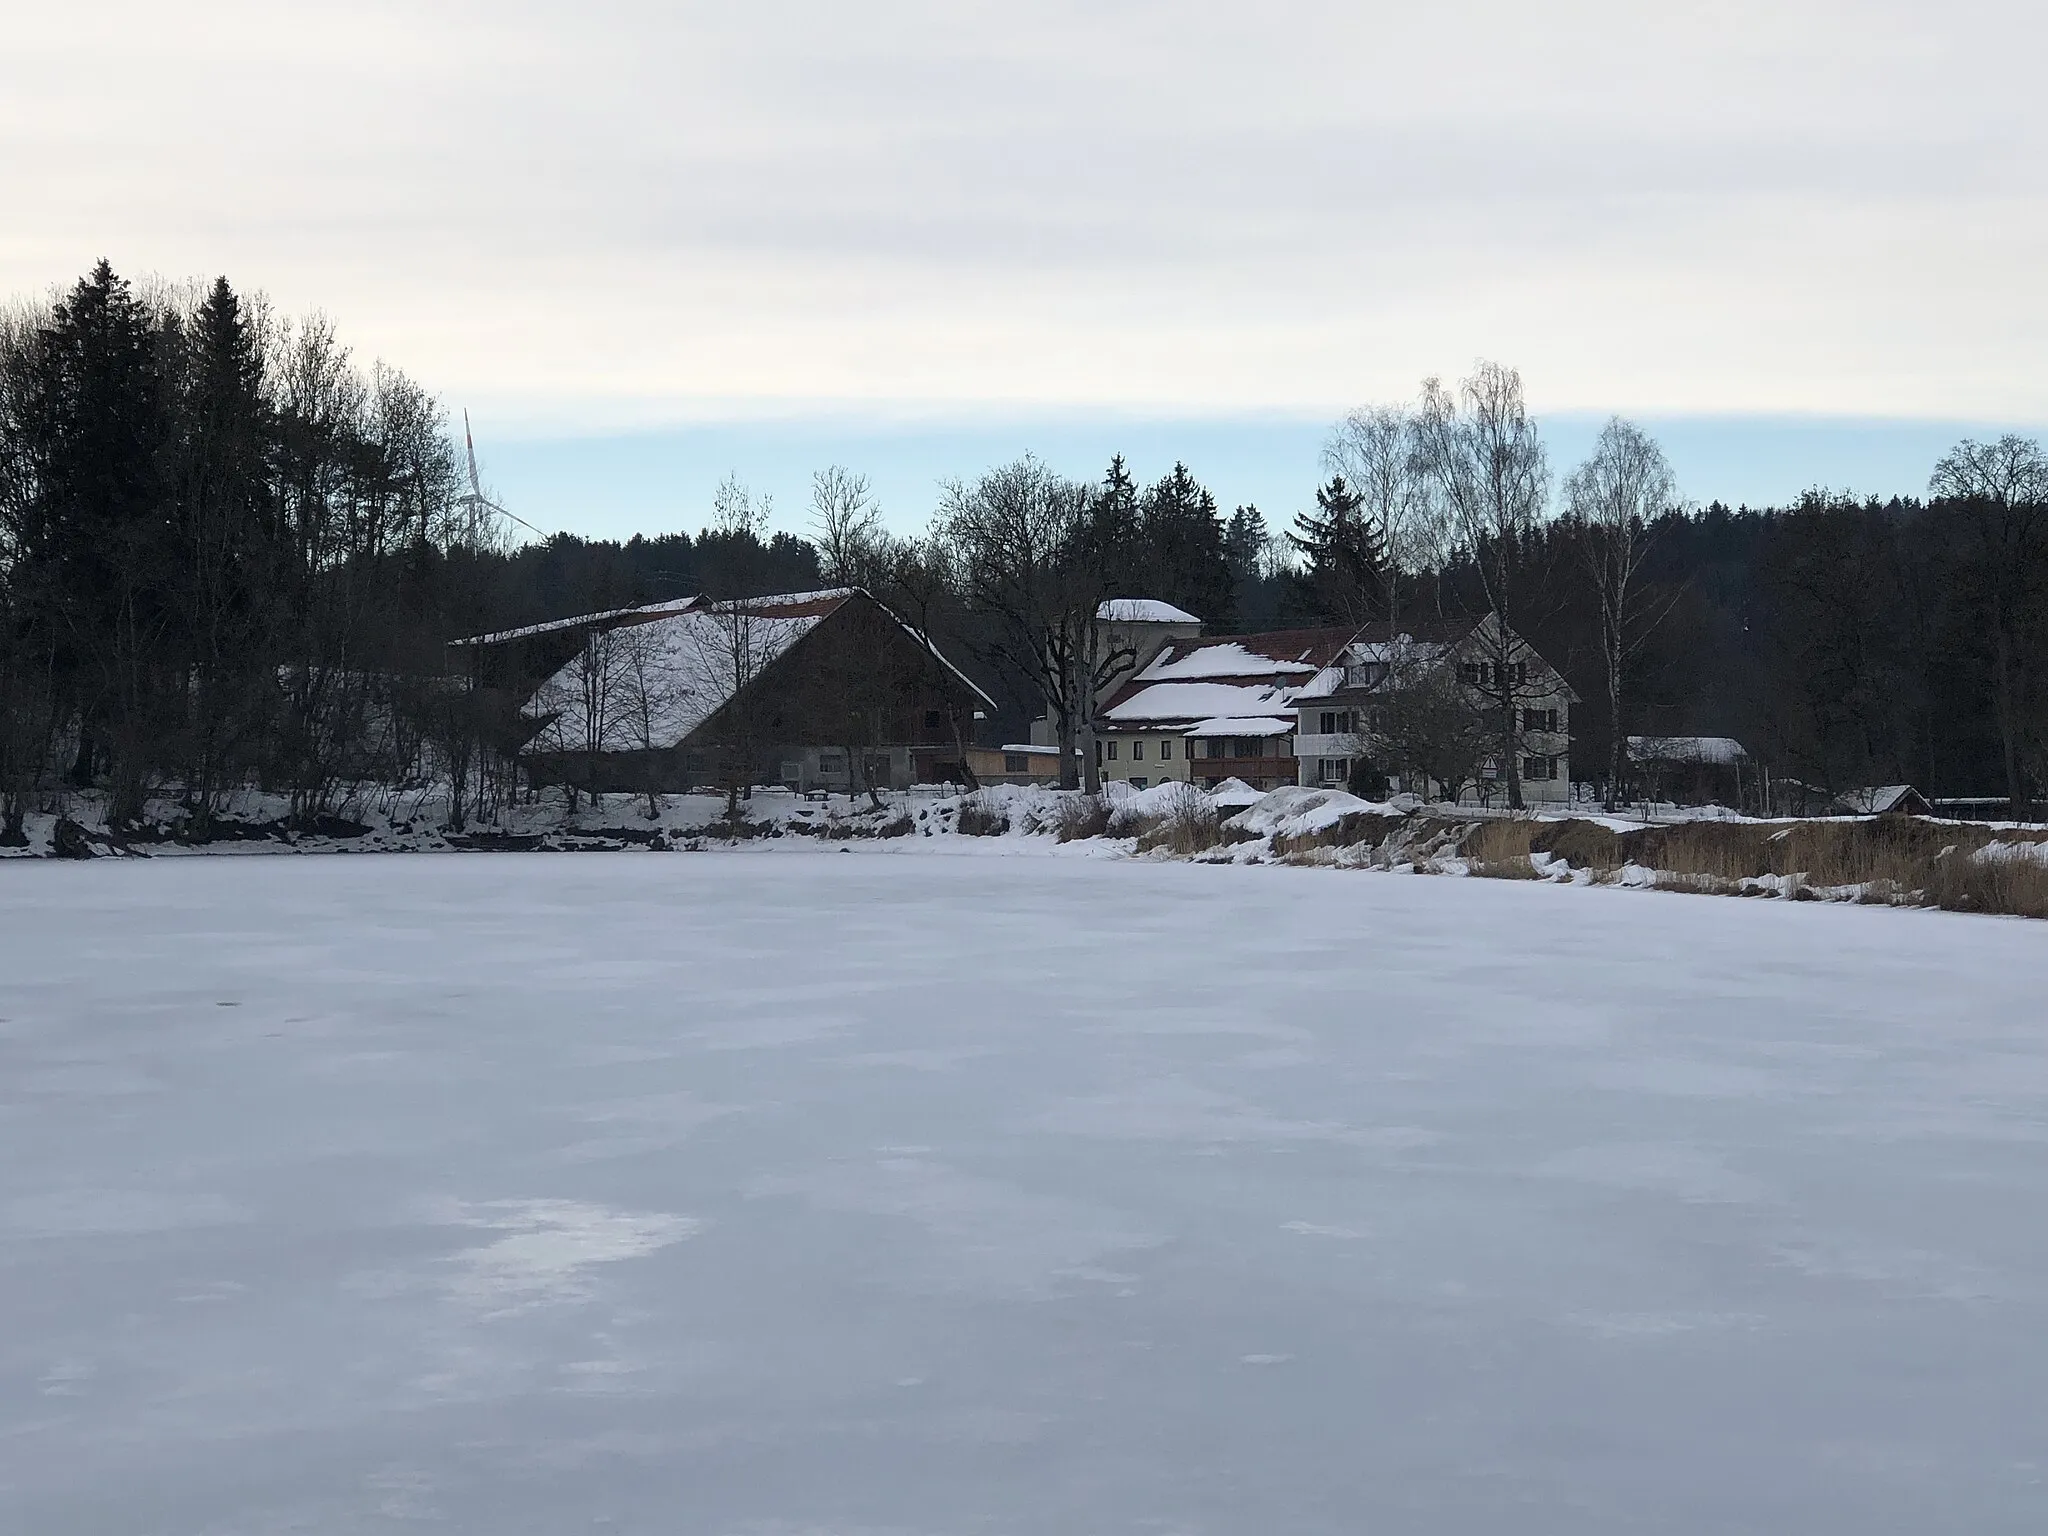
(1336, 713)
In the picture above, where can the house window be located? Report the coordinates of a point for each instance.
(933, 719)
(1218, 747)
(1166, 750)
(1137, 751)
(1139, 781)
(1539, 768)
(1245, 746)
(1016, 762)
(1470, 672)
(1109, 750)
(1335, 770)
(1539, 719)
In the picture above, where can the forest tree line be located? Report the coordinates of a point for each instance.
(231, 554)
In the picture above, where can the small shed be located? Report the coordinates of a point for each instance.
(1883, 800)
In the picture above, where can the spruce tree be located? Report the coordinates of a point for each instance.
(225, 547)
(1116, 536)
(1341, 554)
(98, 432)
(1184, 548)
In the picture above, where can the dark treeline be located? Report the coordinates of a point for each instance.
(231, 555)
(1845, 642)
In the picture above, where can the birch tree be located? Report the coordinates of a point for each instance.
(739, 652)
(1485, 459)
(1377, 449)
(1615, 498)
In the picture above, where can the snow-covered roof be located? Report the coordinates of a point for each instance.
(1242, 677)
(653, 684)
(582, 621)
(1877, 799)
(1231, 725)
(1218, 659)
(1321, 686)
(1033, 750)
(1142, 610)
(1404, 649)
(1717, 751)
(1183, 702)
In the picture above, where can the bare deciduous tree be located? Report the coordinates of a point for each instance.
(1433, 723)
(853, 546)
(1377, 449)
(1019, 536)
(743, 648)
(1488, 464)
(648, 697)
(2002, 489)
(1616, 497)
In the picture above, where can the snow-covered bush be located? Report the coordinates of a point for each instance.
(1174, 816)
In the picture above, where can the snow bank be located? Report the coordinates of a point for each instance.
(1295, 810)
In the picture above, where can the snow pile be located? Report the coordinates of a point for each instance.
(1236, 794)
(2001, 852)
(1294, 810)
(1174, 803)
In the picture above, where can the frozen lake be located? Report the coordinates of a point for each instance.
(788, 1193)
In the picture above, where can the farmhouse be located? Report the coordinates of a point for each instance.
(1358, 714)
(827, 690)
(1216, 709)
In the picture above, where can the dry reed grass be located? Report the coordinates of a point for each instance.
(1886, 860)
(979, 817)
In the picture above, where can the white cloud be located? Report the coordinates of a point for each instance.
(650, 210)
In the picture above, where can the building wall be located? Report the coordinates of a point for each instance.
(1154, 756)
(992, 765)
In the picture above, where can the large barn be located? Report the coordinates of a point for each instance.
(816, 690)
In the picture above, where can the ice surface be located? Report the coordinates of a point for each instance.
(786, 1192)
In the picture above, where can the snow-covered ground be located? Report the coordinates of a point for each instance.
(794, 1192)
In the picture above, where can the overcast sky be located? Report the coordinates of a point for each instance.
(972, 224)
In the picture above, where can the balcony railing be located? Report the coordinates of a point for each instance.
(1284, 769)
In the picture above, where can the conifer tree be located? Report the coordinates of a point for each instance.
(1183, 543)
(1341, 555)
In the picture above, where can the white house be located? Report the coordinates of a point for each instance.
(1340, 713)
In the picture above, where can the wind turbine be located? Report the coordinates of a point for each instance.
(479, 509)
